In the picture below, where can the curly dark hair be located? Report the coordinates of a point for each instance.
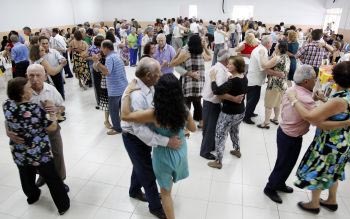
(195, 45)
(169, 103)
(15, 88)
(341, 74)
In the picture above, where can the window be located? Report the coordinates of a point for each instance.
(192, 11)
(332, 20)
(242, 12)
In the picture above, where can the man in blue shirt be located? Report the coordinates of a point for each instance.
(164, 54)
(20, 55)
(114, 71)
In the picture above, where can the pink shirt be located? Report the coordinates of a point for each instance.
(292, 124)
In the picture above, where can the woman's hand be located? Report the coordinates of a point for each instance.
(292, 95)
(131, 87)
(213, 75)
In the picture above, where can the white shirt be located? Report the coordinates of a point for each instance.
(194, 27)
(145, 40)
(59, 42)
(238, 28)
(177, 32)
(54, 57)
(141, 100)
(256, 75)
(219, 37)
(166, 29)
(232, 28)
(221, 78)
(48, 92)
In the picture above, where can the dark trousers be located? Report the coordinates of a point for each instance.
(114, 108)
(21, 69)
(133, 56)
(253, 96)
(288, 150)
(168, 38)
(211, 112)
(52, 179)
(142, 172)
(67, 70)
(272, 49)
(196, 101)
(58, 82)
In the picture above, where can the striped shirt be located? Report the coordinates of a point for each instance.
(116, 78)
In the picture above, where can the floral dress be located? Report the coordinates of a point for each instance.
(80, 65)
(324, 161)
(29, 121)
(277, 82)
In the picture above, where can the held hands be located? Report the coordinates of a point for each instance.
(195, 75)
(96, 57)
(63, 62)
(292, 95)
(319, 95)
(174, 142)
(213, 75)
(49, 106)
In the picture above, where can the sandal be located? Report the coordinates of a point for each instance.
(263, 126)
(274, 121)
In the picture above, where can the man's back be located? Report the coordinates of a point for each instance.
(116, 78)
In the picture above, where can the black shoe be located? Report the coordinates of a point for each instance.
(69, 76)
(40, 182)
(254, 115)
(286, 189)
(158, 213)
(66, 187)
(330, 207)
(272, 194)
(311, 210)
(62, 212)
(140, 196)
(249, 121)
(34, 199)
(209, 157)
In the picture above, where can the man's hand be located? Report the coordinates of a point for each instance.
(132, 86)
(195, 75)
(96, 58)
(49, 106)
(14, 137)
(280, 74)
(319, 95)
(174, 142)
(237, 99)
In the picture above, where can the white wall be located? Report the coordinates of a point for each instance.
(48, 13)
(307, 12)
(345, 17)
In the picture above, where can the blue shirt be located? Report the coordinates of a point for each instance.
(116, 78)
(165, 54)
(139, 39)
(19, 52)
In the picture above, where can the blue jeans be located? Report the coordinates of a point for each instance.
(133, 56)
(114, 108)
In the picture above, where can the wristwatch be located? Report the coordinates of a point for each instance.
(294, 102)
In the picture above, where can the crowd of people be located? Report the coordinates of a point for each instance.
(244, 56)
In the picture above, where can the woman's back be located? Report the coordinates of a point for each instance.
(29, 121)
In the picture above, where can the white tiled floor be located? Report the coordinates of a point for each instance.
(99, 168)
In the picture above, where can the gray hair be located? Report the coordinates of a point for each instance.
(266, 39)
(304, 72)
(161, 35)
(148, 29)
(146, 65)
(14, 38)
(223, 55)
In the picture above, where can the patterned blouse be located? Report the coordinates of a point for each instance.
(190, 86)
(283, 64)
(29, 121)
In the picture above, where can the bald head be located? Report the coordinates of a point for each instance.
(36, 75)
(148, 70)
(35, 68)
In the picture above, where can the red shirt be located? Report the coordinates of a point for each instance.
(248, 49)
